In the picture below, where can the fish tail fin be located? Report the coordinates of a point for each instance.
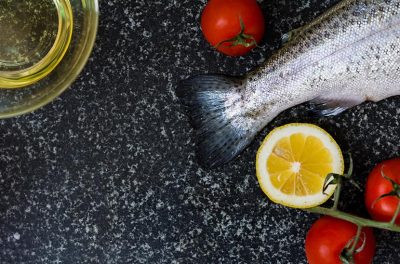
(213, 103)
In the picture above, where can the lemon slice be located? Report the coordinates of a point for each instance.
(293, 162)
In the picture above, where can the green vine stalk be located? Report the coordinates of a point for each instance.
(359, 221)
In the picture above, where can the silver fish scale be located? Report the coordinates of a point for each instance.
(350, 54)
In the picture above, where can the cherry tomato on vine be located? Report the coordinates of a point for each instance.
(377, 185)
(233, 27)
(329, 236)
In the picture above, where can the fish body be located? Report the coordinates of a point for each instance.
(348, 55)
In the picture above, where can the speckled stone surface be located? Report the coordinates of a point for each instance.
(107, 172)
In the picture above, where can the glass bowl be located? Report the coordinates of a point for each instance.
(44, 45)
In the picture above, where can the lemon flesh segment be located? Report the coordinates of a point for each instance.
(305, 177)
(292, 164)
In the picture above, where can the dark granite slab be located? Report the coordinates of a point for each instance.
(107, 172)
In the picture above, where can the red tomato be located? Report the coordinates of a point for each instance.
(327, 238)
(377, 185)
(221, 21)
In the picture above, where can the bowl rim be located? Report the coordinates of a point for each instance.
(76, 69)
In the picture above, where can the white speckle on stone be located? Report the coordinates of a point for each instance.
(17, 236)
(146, 34)
(163, 132)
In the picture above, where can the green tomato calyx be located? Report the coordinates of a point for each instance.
(241, 39)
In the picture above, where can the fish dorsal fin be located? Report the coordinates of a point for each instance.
(291, 35)
(330, 106)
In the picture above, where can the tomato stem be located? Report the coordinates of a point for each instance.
(347, 254)
(240, 39)
(338, 180)
(363, 222)
(396, 213)
(356, 238)
(337, 194)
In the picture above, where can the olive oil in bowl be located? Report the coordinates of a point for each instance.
(34, 37)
